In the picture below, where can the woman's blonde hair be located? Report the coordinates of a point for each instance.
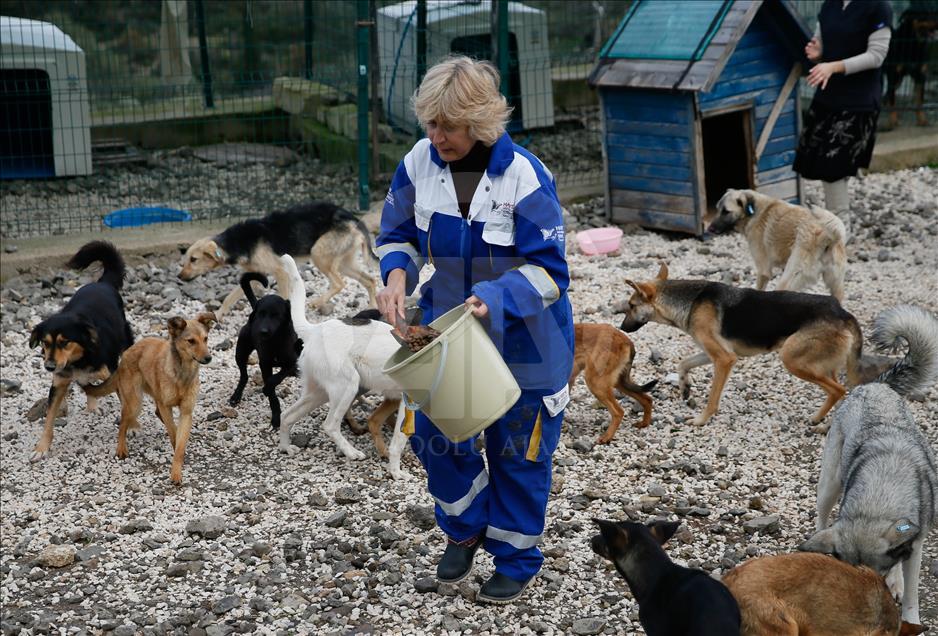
(463, 92)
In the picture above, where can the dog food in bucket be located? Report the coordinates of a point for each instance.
(458, 380)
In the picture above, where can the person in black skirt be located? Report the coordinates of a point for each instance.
(848, 48)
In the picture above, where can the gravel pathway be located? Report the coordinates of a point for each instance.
(254, 541)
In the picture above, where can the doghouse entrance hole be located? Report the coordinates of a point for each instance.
(25, 124)
(727, 142)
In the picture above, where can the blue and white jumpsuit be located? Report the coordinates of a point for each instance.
(509, 252)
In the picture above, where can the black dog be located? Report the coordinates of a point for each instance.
(83, 342)
(908, 55)
(269, 330)
(672, 600)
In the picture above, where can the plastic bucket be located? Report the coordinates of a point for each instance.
(459, 380)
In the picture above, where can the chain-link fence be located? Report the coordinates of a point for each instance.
(219, 109)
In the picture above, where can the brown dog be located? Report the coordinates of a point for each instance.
(167, 371)
(815, 337)
(606, 354)
(806, 593)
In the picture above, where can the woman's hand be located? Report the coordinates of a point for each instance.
(821, 73)
(391, 298)
(479, 308)
(813, 50)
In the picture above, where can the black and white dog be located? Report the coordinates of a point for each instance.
(329, 234)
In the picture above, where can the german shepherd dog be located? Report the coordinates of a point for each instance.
(269, 331)
(805, 244)
(908, 55)
(804, 593)
(672, 600)
(606, 354)
(330, 235)
(876, 456)
(83, 342)
(167, 371)
(814, 335)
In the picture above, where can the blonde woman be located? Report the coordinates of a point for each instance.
(484, 212)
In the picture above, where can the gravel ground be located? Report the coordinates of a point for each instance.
(254, 541)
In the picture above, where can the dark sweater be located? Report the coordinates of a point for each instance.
(467, 172)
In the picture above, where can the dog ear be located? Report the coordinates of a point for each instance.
(823, 542)
(35, 335)
(176, 324)
(662, 272)
(911, 629)
(615, 536)
(662, 531)
(900, 537)
(207, 318)
(645, 290)
(214, 252)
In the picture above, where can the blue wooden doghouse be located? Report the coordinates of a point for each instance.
(698, 97)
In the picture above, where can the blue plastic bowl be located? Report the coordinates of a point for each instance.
(135, 217)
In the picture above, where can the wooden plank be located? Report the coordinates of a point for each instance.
(652, 201)
(790, 83)
(768, 162)
(723, 110)
(620, 127)
(644, 184)
(786, 122)
(759, 97)
(649, 114)
(749, 69)
(648, 141)
(607, 199)
(730, 46)
(762, 110)
(634, 169)
(653, 218)
(780, 144)
(781, 190)
(644, 155)
(649, 98)
(699, 168)
(772, 80)
(775, 175)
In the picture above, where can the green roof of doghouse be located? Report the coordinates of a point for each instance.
(685, 44)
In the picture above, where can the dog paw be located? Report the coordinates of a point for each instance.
(604, 439)
(289, 449)
(398, 474)
(354, 454)
(685, 391)
(234, 400)
(819, 429)
(92, 405)
(700, 420)
(38, 455)
(896, 583)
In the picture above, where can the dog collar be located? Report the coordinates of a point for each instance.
(217, 252)
(903, 528)
(749, 210)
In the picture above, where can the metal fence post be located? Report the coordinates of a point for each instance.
(362, 25)
(421, 50)
(308, 37)
(503, 53)
(203, 55)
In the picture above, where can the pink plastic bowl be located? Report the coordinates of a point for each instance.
(600, 240)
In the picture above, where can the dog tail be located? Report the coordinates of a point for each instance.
(246, 279)
(368, 249)
(114, 268)
(639, 388)
(918, 369)
(297, 292)
(105, 388)
(834, 230)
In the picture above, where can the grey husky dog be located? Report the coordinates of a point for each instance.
(879, 459)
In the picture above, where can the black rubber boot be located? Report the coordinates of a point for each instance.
(456, 563)
(501, 589)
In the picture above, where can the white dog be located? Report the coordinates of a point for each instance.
(339, 358)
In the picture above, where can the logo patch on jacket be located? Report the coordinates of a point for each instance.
(553, 234)
(502, 210)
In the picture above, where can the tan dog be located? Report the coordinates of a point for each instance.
(805, 244)
(606, 354)
(804, 593)
(331, 236)
(816, 338)
(167, 371)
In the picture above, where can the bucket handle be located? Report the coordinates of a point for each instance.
(413, 406)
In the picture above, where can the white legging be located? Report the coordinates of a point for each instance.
(837, 200)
